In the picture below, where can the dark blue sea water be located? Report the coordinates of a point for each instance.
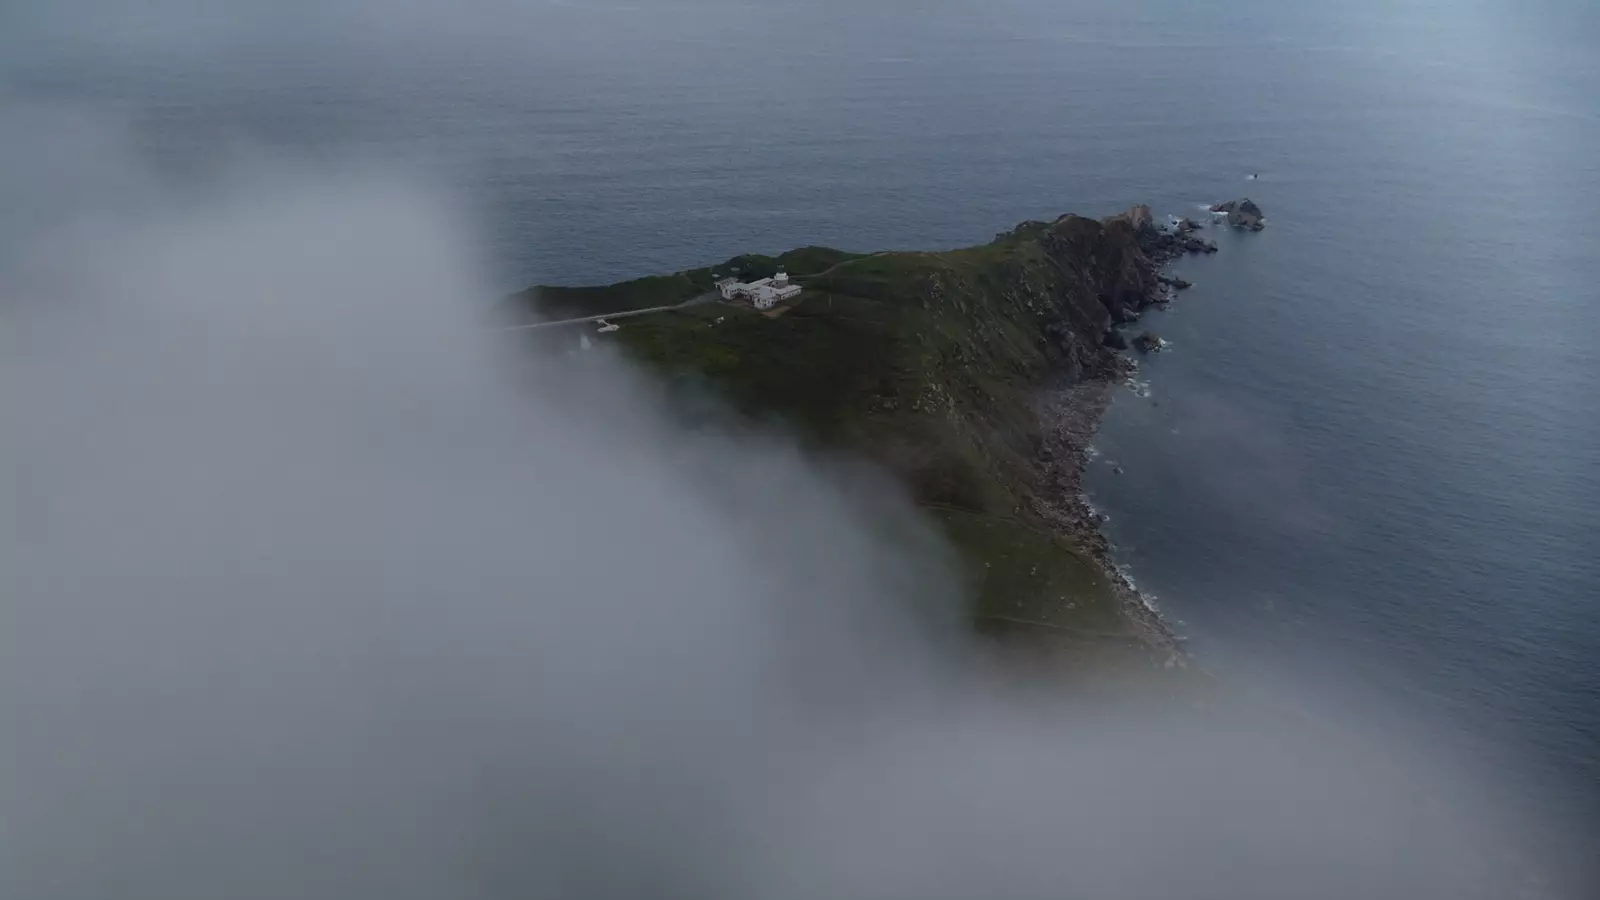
(1375, 447)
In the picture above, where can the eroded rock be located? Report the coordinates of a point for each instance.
(1243, 214)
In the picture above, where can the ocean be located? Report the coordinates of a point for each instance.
(1368, 470)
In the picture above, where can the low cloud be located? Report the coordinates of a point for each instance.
(312, 586)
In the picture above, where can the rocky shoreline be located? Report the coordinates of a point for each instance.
(1071, 412)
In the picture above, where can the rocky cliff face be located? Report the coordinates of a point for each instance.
(1118, 261)
(1103, 274)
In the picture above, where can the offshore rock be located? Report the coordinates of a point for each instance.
(1242, 214)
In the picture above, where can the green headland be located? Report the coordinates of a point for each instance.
(974, 375)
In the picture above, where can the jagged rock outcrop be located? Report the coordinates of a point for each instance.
(1107, 279)
(1139, 218)
(1148, 342)
(1164, 245)
(1243, 214)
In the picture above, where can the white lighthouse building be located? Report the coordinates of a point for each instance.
(763, 293)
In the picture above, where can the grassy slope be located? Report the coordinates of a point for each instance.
(924, 362)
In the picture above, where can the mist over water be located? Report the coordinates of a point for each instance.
(312, 588)
(312, 585)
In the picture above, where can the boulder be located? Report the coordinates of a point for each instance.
(1147, 343)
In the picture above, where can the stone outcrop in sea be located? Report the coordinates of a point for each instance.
(1242, 214)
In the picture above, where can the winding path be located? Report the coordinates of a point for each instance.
(692, 301)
